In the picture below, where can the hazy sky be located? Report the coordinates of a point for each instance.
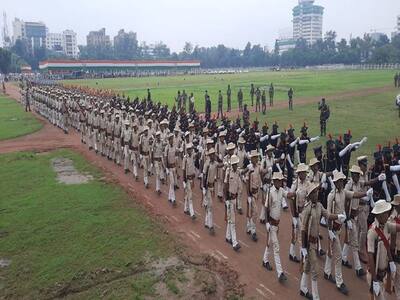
(202, 22)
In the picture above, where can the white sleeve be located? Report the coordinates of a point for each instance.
(302, 142)
(395, 168)
(274, 137)
(345, 150)
(292, 144)
(263, 138)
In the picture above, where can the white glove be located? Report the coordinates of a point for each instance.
(314, 139)
(204, 192)
(295, 222)
(304, 252)
(332, 235)
(341, 218)
(283, 156)
(376, 287)
(370, 192)
(167, 172)
(268, 226)
(382, 177)
(250, 167)
(184, 185)
(249, 199)
(324, 185)
(323, 178)
(349, 225)
(392, 266)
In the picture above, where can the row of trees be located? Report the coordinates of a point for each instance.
(324, 51)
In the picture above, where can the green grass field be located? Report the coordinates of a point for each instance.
(14, 121)
(304, 83)
(55, 234)
(374, 116)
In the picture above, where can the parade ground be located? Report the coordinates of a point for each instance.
(107, 236)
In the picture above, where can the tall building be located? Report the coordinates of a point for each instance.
(398, 23)
(69, 43)
(98, 38)
(64, 42)
(307, 21)
(54, 41)
(33, 32)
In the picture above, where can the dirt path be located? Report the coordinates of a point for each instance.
(259, 283)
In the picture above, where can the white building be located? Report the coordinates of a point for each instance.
(307, 21)
(64, 42)
(18, 29)
(54, 41)
(69, 43)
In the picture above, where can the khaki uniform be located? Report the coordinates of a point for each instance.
(336, 203)
(232, 182)
(241, 153)
(352, 226)
(267, 165)
(210, 170)
(310, 216)
(135, 158)
(395, 238)
(109, 138)
(102, 135)
(254, 185)
(96, 126)
(171, 160)
(273, 203)
(362, 219)
(376, 246)
(189, 171)
(126, 139)
(144, 143)
(117, 142)
(158, 161)
(220, 152)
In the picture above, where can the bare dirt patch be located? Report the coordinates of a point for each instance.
(66, 172)
(175, 278)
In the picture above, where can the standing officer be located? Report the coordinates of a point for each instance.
(271, 94)
(290, 95)
(232, 187)
(398, 103)
(208, 107)
(252, 91)
(324, 115)
(258, 99)
(253, 192)
(156, 158)
(229, 98)
(263, 102)
(240, 99)
(220, 104)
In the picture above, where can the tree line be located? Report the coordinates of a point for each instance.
(325, 51)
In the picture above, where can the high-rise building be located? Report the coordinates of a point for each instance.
(69, 43)
(64, 42)
(307, 21)
(54, 41)
(98, 38)
(33, 32)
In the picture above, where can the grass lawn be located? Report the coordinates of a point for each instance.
(55, 233)
(374, 116)
(304, 84)
(14, 121)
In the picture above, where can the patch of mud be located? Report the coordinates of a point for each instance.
(4, 262)
(66, 172)
(176, 277)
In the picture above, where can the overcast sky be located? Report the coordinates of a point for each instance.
(202, 22)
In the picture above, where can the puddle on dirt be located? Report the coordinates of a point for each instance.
(66, 172)
(4, 262)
